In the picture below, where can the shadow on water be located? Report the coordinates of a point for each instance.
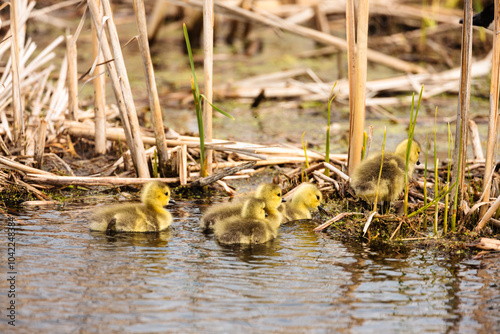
(182, 280)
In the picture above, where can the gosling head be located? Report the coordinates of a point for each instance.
(155, 194)
(414, 151)
(270, 193)
(309, 195)
(254, 208)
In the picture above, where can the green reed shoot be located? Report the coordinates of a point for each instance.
(436, 175)
(380, 171)
(327, 146)
(197, 103)
(425, 177)
(438, 197)
(411, 131)
(363, 149)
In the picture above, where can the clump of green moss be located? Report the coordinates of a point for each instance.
(13, 194)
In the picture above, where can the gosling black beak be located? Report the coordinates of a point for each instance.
(283, 200)
(322, 210)
(171, 202)
(417, 163)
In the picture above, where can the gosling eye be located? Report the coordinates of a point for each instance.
(167, 193)
(317, 197)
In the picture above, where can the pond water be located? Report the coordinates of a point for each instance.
(69, 280)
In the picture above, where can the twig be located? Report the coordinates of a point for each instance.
(21, 167)
(94, 181)
(225, 172)
(368, 222)
(337, 171)
(335, 219)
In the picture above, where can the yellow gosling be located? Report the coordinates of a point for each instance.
(365, 176)
(148, 216)
(251, 227)
(306, 198)
(270, 193)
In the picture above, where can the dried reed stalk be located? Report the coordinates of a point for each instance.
(121, 86)
(93, 181)
(40, 143)
(460, 150)
(357, 113)
(72, 77)
(208, 51)
(99, 96)
(493, 115)
(17, 107)
(351, 65)
(154, 100)
(477, 150)
(183, 164)
(20, 167)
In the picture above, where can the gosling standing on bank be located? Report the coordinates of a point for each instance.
(364, 179)
(148, 216)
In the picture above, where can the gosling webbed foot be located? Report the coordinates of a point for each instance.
(111, 229)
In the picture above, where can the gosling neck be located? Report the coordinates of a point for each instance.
(154, 206)
(298, 203)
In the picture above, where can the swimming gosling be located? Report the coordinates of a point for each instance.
(270, 193)
(306, 198)
(251, 227)
(148, 216)
(365, 176)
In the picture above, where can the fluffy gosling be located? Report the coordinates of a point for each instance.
(148, 216)
(365, 176)
(270, 193)
(306, 198)
(251, 227)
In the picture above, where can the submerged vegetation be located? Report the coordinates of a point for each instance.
(47, 135)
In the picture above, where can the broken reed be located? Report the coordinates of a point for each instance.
(327, 146)
(197, 103)
(306, 164)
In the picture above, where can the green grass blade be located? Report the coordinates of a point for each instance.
(217, 108)
(191, 61)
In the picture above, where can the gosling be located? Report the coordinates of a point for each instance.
(270, 193)
(306, 198)
(365, 176)
(148, 216)
(251, 227)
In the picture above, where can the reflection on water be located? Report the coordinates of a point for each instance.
(70, 280)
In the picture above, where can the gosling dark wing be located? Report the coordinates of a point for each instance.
(484, 18)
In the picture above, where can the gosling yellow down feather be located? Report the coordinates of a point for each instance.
(148, 216)
(251, 227)
(307, 197)
(270, 193)
(392, 178)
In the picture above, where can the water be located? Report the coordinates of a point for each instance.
(69, 280)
